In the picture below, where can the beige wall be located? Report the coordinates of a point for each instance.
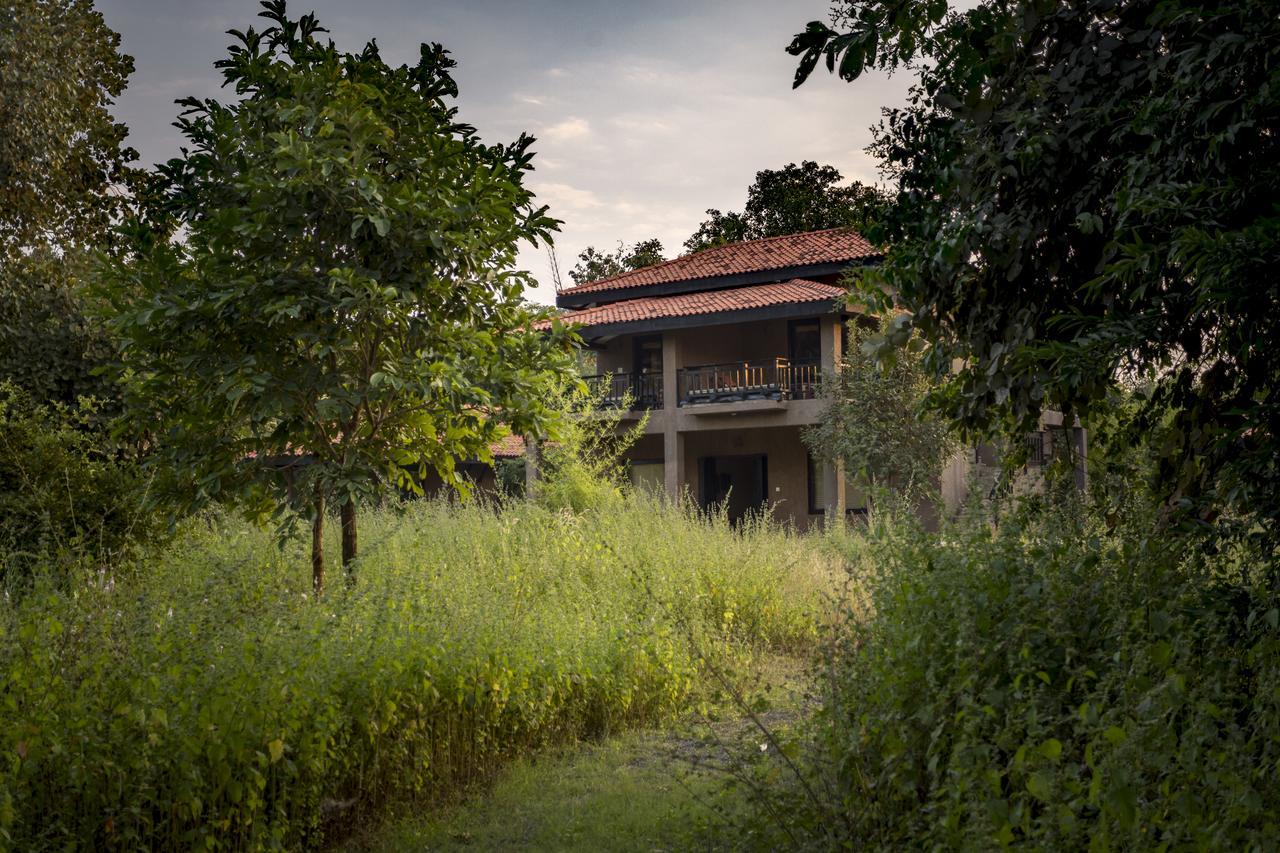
(762, 341)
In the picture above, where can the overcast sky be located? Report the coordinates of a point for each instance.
(647, 112)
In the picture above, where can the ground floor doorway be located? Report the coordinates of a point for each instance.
(742, 480)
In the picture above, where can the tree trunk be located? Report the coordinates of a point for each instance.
(349, 539)
(317, 546)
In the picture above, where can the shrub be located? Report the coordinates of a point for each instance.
(68, 500)
(1066, 681)
(212, 702)
(585, 467)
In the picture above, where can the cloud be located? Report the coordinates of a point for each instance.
(641, 123)
(651, 113)
(564, 197)
(570, 128)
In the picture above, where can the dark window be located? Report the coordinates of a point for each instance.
(804, 342)
(812, 484)
(648, 354)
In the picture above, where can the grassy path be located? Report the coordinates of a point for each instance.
(654, 790)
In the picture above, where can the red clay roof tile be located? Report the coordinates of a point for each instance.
(835, 245)
(508, 447)
(797, 290)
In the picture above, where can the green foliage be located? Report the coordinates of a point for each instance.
(213, 703)
(340, 312)
(60, 150)
(1066, 681)
(874, 418)
(808, 197)
(69, 504)
(1087, 198)
(64, 176)
(50, 346)
(594, 265)
(586, 466)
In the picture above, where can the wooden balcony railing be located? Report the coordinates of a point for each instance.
(613, 389)
(745, 380)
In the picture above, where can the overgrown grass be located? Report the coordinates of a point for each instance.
(1071, 679)
(210, 701)
(679, 787)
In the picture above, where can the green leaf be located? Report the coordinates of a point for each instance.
(1114, 735)
(1040, 785)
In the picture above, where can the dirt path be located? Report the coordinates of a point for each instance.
(655, 790)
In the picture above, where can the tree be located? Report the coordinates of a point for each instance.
(341, 313)
(1086, 202)
(874, 421)
(65, 177)
(791, 200)
(60, 149)
(51, 345)
(594, 265)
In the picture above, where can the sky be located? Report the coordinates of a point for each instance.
(647, 112)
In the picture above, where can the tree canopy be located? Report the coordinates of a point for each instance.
(594, 264)
(790, 200)
(65, 177)
(60, 149)
(1088, 202)
(872, 421)
(342, 311)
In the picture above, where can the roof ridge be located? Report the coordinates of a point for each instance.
(638, 269)
(726, 254)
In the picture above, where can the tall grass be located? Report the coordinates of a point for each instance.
(1074, 678)
(210, 701)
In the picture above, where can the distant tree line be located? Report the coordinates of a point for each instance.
(790, 200)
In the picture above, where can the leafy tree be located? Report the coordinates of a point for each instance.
(1088, 199)
(594, 265)
(341, 312)
(51, 346)
(717, 230)
(60, 149)
(873, 419)
(64, 179)
(790, 200)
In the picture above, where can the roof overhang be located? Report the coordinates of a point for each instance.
(784, 311)
(582, 299)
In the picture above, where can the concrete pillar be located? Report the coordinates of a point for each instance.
(832, 337)
(531, 472)
(673, 462)
(672, 440)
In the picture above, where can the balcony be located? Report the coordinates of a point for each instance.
(740, 381)
(641, 390)
(732, 382)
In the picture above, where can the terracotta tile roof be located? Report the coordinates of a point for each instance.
(835, 245)
(797, 290)
(508, 447)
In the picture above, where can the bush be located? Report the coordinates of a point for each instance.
(1066, 681)
(585, 467)
(68, 501)
(211, 701)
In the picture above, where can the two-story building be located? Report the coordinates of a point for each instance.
(724, 349)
